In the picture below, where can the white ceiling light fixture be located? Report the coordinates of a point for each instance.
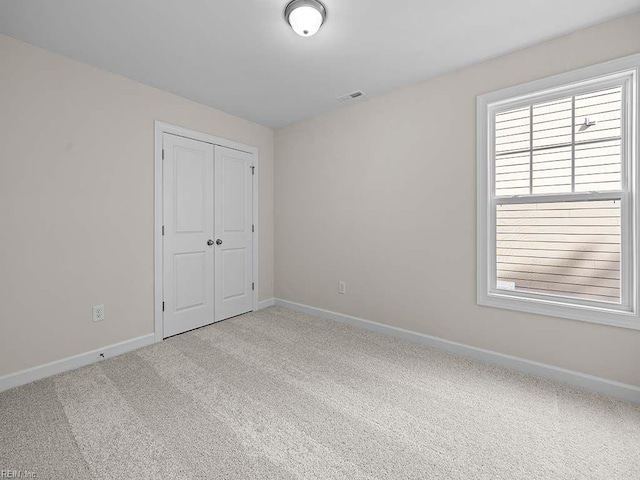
(305, 16)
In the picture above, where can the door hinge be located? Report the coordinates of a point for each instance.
(163, 153)
(253, 228)
(163, 230)
(253, 286)
(163, 306)
(253, 170)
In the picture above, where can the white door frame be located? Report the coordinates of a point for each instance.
(160, 129)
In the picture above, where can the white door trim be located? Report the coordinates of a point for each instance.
(160, 129)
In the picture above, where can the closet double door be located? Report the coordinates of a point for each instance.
(207, 233)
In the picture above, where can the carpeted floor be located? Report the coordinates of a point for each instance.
(278, 394)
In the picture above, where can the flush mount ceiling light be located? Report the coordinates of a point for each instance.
(305, 16)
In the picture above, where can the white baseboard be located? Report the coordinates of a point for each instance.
(70, 363)
(270, 302)
(588, 382)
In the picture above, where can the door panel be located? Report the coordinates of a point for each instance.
(190, 280)
(233, 270)
(233, 226)
(188, 169)
(190, 186)
(234, 194)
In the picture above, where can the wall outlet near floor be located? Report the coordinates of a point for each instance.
(98, 313)
(342, 288)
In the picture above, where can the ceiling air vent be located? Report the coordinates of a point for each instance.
(349, 97)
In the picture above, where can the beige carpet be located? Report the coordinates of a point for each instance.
(278, 395)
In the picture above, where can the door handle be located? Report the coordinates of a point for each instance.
(210, 242)
(218, 242)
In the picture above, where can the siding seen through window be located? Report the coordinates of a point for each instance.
(570, 145)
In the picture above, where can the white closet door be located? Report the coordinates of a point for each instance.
(234, 237)
(188, 177)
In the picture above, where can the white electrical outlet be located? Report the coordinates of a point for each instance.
(98, 313)
(342, 288)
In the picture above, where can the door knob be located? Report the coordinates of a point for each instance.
(210, 242)
(218, 242)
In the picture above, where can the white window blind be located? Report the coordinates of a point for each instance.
(556, 195)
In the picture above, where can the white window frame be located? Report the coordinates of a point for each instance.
(625, 71)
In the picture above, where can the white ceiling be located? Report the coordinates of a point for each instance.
(240, 56)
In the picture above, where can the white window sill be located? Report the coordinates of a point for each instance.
(615, 316)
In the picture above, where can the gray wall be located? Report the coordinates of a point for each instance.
(76, 190)
(382, 195)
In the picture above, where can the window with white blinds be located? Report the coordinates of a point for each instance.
(556, 199)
